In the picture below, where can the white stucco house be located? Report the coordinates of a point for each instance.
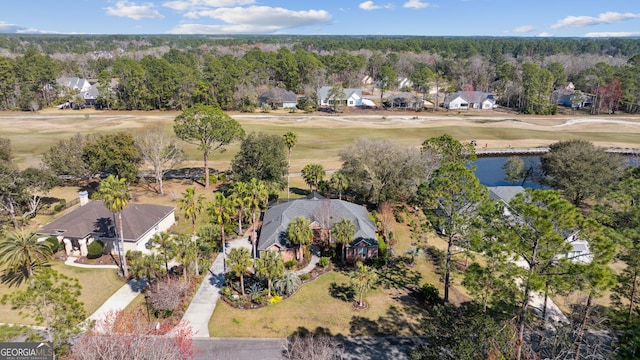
(465, 100)
(93, 221)
(351, 97)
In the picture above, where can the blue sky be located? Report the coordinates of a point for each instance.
(559, 18)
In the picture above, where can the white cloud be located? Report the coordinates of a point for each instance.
(253, 19)
(368, 5)
(182, 5)
(604, 18)
(17, 29)
(416, 4)
(612, 34)
(134, 11)
(522, 29)
(10, 28)
(544, 34)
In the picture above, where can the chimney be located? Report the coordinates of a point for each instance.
(84, 197)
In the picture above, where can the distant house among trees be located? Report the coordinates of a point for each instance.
(351, 97)
(465, 100)
(279, 98)
(323, 213)
(405, 100)
(84, 88)
(579, 253)
(568, 96)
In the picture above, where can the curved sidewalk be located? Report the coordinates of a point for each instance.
(120, 299)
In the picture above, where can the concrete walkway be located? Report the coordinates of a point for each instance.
(71, 261)
(120, 299)
(204, 301)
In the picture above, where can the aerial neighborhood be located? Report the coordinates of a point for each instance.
(293, 197)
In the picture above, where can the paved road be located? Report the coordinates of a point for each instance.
(239, 349)
(350, 348)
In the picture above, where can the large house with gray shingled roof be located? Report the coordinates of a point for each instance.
(323, 213)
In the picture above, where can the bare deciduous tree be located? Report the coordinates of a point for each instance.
(128, 335)
(312, 347)
(160, 151)
(167, 295)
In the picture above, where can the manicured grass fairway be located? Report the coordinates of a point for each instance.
(320, 138)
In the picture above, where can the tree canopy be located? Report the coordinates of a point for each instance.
(261, 157)
(579, 170)
(209, 128)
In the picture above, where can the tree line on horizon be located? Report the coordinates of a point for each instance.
(163, 73)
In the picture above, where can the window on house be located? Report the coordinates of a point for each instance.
(362, 251)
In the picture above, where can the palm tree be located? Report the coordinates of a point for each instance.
(343, 232)
(240, 196)
(299, 233)
(148, 266)
(192, 206)
(270, 266)
(290, 140)
(258, 196)
(362, 279)
(222, 210)
(22, 253)
(115, 195)
(312, 175)
(187, 252)
(239, 261)
(287, 284)
(340, 182)
(167, 247)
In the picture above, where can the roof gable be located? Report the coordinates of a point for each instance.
(278, 95)
(95, 218)
(325, 212)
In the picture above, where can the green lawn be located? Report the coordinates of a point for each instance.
(314, 307)
(97, 286)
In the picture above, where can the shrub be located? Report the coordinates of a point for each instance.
(55, 243)
(429, 293)
(383, 251)
(59, 207)
(290, 264)
(286, 284)
(305, 277)
(323, 262)
(399, 217)
(95, 249)
(225, 291)
(275, 299)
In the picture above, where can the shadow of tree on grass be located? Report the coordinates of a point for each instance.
(398, 320)
(398, 275)
(344, 292)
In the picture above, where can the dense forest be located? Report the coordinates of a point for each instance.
(176, 72)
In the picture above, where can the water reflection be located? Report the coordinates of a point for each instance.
(489, 171)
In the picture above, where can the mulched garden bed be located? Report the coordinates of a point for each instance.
(237, 301)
